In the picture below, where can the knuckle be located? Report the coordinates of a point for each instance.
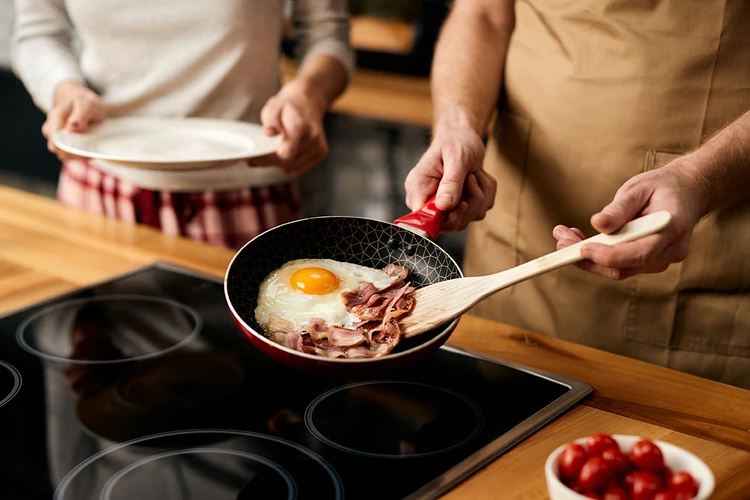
(457, 154)
(644, 254)
(609, 260)
(618, 275)
(681, 253)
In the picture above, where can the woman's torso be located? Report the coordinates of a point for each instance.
(180, 57)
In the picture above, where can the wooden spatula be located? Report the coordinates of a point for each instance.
(441, 302)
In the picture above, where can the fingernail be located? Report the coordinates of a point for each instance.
(445, 198)
(75, 124)
(556, 232)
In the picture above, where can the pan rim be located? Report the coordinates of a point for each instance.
(447, 330)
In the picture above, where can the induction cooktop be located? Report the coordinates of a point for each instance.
(142, 387)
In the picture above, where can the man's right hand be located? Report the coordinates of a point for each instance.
(76, 108)
(452, 168)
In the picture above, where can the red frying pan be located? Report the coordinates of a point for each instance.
(367, 242)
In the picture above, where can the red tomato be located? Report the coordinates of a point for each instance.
(682, 495)
(646, 455)
(614, 492)
(645, 485)
(594, 474)
(597, 443)
(683, 482)
(666, 475)
(665, 495)
(591, 494)
(618, 460)
(628, 480)
(571, 460)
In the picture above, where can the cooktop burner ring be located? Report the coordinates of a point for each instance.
(469, 408)
(195, 318)
(17, 382)
(288, 479)
(71, 476)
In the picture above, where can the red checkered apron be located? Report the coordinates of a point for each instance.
(223, 218)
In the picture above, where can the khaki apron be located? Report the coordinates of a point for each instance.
(595, 92)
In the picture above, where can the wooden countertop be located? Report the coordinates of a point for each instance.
(46, 249)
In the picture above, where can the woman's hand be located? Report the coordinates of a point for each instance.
(296, 113)
(76, 108)
(673, 188)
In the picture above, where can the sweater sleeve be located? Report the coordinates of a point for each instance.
(323, 28)
(42, 52)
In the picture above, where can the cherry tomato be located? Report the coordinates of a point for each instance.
(571, 460)
(628, 480)
(591, 494)
(682, 495)
(645, 485)
(595, 473)
(683, 482)
(614, 492)
(618, 460)
(646, 455)
(597, 443)
(666, 475)
(665, 495)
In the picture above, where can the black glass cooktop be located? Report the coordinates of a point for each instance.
(143, 388)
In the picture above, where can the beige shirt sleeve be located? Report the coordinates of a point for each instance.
(42, 53)
(322, 27)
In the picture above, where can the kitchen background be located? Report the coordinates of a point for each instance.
(376, 133)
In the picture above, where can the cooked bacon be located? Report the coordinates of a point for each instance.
(335, 335)
(366, 293)
(375, 335)
(290, 339)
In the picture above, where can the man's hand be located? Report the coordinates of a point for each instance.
(673, 188)
(296, 113)
(452, 168)
(76, 108)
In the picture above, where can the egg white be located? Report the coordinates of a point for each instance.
(278, 299)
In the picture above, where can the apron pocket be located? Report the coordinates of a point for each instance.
(701, 304)
(652, 298)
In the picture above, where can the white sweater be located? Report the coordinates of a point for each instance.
(172, 58)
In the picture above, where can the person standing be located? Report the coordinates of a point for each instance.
(85, 61)
(605, 110)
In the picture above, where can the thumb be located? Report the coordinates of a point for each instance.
(451, 186)
(626, 204)
(270, 117)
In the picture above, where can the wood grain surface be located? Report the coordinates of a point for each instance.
(46, 249)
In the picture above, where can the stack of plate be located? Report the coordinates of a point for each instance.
(169, 143)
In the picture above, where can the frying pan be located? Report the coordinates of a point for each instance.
(408, 241)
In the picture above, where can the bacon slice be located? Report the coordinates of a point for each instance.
(375, 335)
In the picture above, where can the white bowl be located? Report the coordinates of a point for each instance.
(675, 458)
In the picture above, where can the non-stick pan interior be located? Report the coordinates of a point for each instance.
(360, 241)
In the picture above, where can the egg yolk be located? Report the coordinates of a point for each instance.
(314, 281)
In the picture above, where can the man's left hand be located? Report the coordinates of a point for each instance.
(672, 188)
(297, 115)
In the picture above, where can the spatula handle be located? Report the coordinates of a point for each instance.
(633, 230)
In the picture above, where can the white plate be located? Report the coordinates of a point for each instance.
(169, 143)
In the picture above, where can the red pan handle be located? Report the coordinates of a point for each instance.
(425, 221)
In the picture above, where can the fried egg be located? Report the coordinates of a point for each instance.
(304, 289)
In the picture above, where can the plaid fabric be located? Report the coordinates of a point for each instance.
(222, 218)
